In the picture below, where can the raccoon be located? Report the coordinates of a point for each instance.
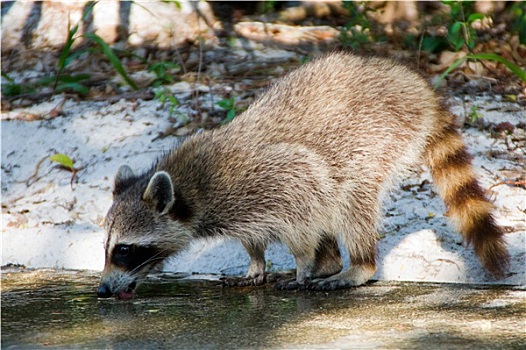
(306, 164)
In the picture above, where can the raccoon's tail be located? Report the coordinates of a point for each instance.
(467, 206)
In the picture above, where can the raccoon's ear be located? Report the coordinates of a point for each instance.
(122, 179)
(159, 193)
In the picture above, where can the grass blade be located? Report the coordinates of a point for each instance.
(455, 64)
(114, 60)
(88, 9)
(7, 77)
(67, 48)
(77, 87)
(518, 71)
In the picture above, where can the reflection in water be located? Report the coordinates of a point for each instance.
(64, 311)
(60, 310)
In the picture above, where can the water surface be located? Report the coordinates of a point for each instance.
(59, 309)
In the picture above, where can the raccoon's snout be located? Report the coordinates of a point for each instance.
(104, 291)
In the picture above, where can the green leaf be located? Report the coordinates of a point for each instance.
(229, 117)
(163, 66)
(63, 160)
(434, 44)
(46, 81)
(62, 80)
(226, 104)
(7, 77)
(175, 2)
(470, 43)
(73, 56)
(110, 55)
(160, 95)
(67, 48)
(475, 16)
(518, 71)
(12, 89)
(173, 100)
(88, 9)
(455, 64)
(77, 87)
(455, 35)
(455, 8)
(455, 28)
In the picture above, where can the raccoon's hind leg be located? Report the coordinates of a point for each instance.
(360, 239)
(256, 270)
(361, 270)
(305, 264)
(328, 259)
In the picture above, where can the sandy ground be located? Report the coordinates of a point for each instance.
(48, 223)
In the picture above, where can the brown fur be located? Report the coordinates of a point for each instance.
(309, 161)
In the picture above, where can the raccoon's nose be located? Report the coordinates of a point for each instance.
(104, 291)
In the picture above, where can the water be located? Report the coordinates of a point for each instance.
(59, 309)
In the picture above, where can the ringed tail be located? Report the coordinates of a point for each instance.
(467, 206)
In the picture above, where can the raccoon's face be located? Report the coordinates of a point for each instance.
(140, 233)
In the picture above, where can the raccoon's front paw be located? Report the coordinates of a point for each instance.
(244, 281)
(329, 285)
(290, 284)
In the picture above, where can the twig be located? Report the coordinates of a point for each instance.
(519, 183)
(57, 110)
(34, 175)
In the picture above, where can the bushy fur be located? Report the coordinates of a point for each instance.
(309, 161)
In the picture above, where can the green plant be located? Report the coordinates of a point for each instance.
(354, 32)
(434, 43)
(461, 32)
(66, 163)
(459, 24)
(473, 113)
(518, 71)
(176, 3)
(518, 24)
(304, 59)
(10, 88)
(112, 57)
(63, 160)
(267, 7)
(165, 96)
(230, 106)
(62, 81)
(161, 71)
(66, 82)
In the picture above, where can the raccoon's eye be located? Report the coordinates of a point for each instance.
(123, 250)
